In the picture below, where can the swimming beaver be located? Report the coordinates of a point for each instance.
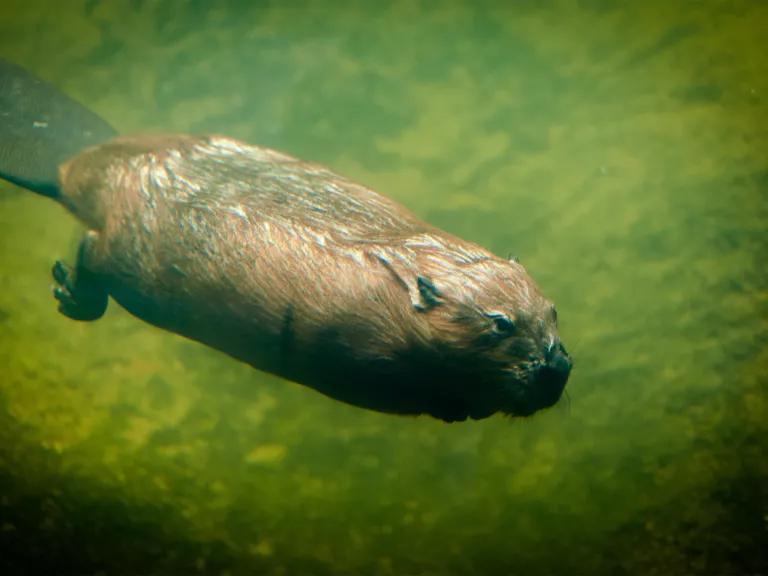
(283, 264)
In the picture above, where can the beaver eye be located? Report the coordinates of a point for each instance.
(502, 323)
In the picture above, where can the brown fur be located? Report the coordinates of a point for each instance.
(300, 272)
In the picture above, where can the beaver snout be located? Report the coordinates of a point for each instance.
(550, 378)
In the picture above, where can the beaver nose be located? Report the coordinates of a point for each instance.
(552, 376)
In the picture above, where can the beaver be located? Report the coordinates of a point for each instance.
(283, 264)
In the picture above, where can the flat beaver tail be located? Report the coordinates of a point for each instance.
(41, 127)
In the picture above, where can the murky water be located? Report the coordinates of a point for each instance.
(620, 149)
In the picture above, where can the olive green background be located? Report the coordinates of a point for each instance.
(620, 149)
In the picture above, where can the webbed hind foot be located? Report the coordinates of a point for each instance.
(80, 294)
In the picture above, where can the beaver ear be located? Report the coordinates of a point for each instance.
(424, 295)
(430, 295)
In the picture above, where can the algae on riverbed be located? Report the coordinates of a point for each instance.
(617, 148)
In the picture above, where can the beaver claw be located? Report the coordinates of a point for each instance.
(62, 274)
(80, 296)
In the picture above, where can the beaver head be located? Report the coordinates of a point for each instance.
(491, 328)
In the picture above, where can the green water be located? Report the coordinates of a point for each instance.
(620, 149)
